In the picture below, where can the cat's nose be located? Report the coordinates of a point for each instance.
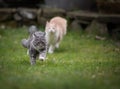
(52, 30)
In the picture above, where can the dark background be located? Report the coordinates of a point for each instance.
(64, 4)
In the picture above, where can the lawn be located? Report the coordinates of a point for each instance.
(81, 62)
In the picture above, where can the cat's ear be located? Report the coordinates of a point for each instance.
(34, 35)
(47, 23)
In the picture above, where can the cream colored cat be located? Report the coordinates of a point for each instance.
(55, 30)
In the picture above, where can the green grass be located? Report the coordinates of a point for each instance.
(81, 62)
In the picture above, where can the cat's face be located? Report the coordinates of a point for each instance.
(50, 27)
(39, 40)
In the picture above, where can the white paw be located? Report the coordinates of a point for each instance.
(41, 58)
(50, 51)
(27, 52)
(57, 45)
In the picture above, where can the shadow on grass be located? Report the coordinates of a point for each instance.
(25, 62)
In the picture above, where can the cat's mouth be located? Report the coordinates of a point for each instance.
(40, 47)
(52, 31)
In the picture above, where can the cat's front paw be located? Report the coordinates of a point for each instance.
(41, 58)
(27, 52)
(57, 45)
(50, 52)
(51, 49)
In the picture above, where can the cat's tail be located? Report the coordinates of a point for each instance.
(25, 43)
(32, 29)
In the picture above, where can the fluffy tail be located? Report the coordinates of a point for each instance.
(32, 29)
(25, 43)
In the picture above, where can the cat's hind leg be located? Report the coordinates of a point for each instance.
(32, 61)
(28, 52)
(33, 55)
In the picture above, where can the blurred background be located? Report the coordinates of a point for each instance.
(103, 15)
(88, 57)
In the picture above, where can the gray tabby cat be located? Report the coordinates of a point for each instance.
(36, 44)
